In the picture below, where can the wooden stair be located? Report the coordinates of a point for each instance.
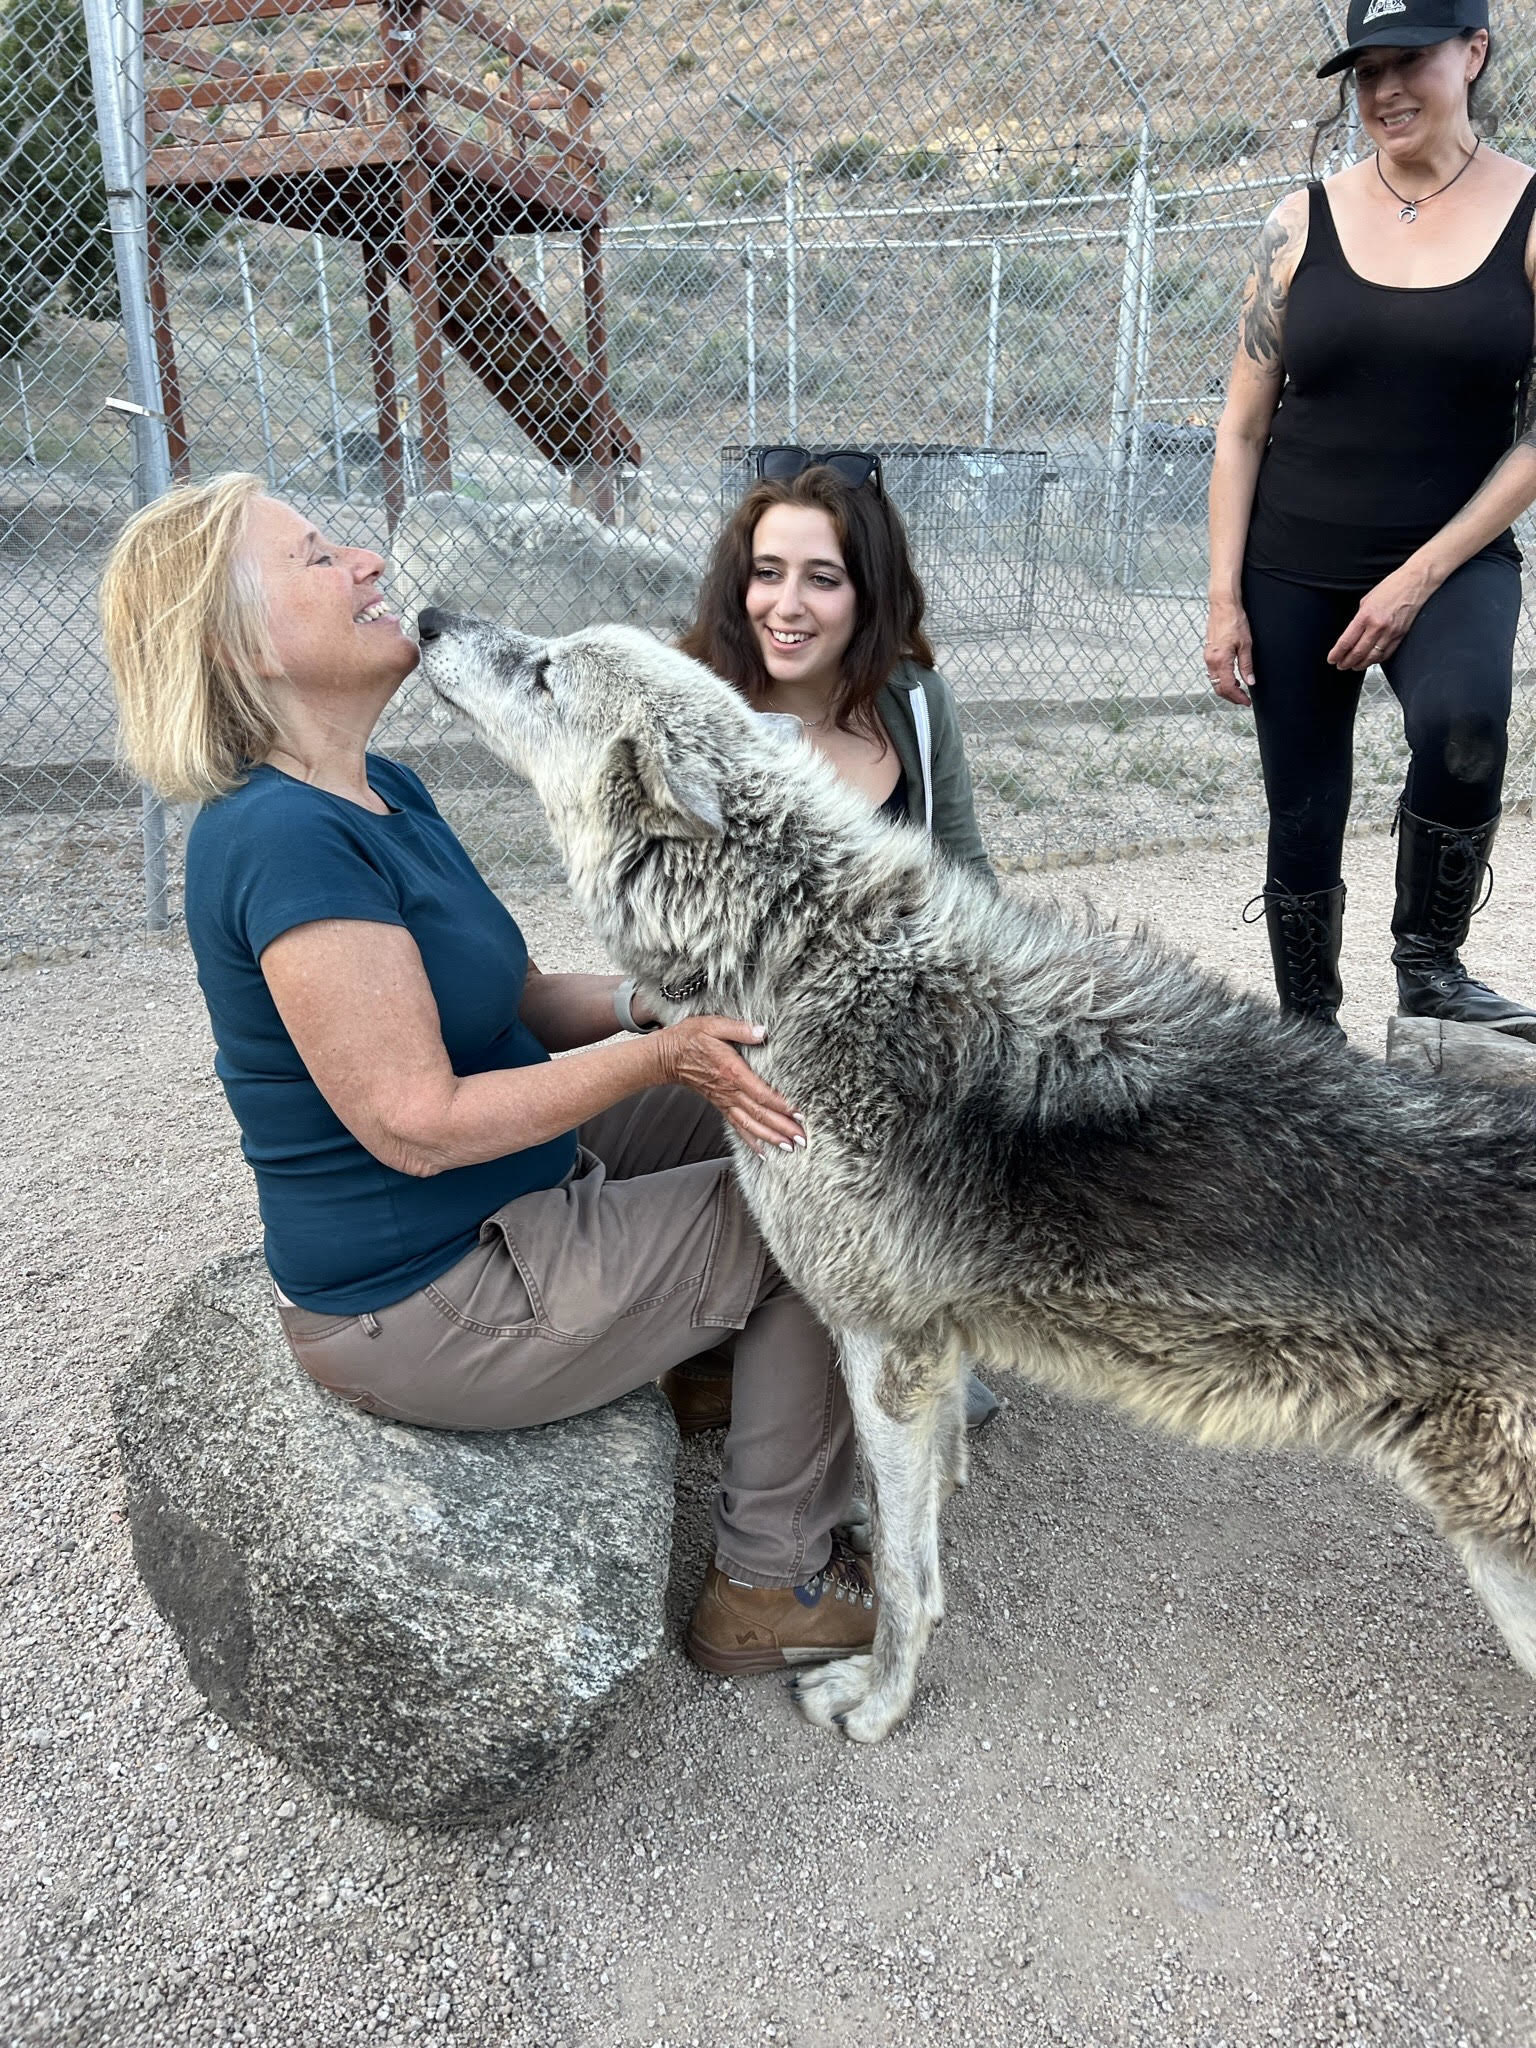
(526, 364)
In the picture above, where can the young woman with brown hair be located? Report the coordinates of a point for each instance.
(812, 608)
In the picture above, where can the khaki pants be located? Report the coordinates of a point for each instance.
(645, 1257)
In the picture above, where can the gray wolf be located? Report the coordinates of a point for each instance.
(1037, 1140)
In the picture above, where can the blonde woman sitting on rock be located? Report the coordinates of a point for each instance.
(462, 1232)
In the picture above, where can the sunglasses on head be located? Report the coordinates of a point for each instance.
(853, 466)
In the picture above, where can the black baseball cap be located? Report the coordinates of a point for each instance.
(1402, 25)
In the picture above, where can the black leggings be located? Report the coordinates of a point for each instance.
(1452, 675)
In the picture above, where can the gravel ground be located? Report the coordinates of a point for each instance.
(1213, 1750)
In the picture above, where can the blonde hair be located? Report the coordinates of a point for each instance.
(185, 626)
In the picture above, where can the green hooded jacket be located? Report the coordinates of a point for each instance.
(917, 709)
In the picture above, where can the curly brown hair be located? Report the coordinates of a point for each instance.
(889, 602)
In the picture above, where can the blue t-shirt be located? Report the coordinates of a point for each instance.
(344, 1232)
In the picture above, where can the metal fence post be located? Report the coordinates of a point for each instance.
(791, 256)
(1144, 199)
(110, 30)
(994, 322)
(749, 263)
(28, 442)
(791, 306)
(338, 451)
(264, 411)
(1127, 334)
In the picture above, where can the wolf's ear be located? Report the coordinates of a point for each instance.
(673, 799)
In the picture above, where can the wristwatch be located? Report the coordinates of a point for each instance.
(623, 998)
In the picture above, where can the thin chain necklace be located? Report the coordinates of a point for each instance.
(1408, 209)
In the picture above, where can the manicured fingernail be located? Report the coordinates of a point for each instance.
(801, 1142)
(758, 1031)
(799, 1119)
(786, 1145)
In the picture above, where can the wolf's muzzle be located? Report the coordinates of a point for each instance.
(432, 624)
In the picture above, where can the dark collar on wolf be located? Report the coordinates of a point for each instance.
(684, 991)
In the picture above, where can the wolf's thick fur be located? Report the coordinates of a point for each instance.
(1038, 1140)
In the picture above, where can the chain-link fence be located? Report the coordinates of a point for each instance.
(513, 298)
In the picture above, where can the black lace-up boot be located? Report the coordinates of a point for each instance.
(1305, 934)
(1442, 879)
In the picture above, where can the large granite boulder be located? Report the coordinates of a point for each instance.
(431, 1625)
(1461, 1052)
(541, 567)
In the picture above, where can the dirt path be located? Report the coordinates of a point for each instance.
(1213, 1750)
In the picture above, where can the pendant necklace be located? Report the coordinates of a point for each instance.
(1408, 209)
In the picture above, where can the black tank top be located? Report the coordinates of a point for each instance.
(1397, 402)
(896, 806)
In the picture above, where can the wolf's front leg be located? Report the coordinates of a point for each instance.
(867, 1696)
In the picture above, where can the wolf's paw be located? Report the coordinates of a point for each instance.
(831, 1691)
(875, 1715)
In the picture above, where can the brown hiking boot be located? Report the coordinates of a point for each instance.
(738, 1628)
(700, 1393)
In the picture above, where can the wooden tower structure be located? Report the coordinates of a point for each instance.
(426, 172)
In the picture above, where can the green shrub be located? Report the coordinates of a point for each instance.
(1220, 140)
(670, 153)
(629, 333)
(666, 274)
(1048, 385)
(853, 156)
(684, 62)
(1035, 282)
(1013, 787)
(744, 187)
(1121, 167)
(766, 116)
(837, 287)
(1170, 208)
(1116, 715)
(923, 166)
(650, 195)
(1048, 178)
(1200, 292)
(713, 371)
(613, 14)
(717, 368)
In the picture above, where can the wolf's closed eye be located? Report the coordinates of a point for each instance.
(540, 675)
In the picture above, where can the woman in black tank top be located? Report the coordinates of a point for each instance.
(1370, 458)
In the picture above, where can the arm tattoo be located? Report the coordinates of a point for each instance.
(1264, 298)
(1525, 413)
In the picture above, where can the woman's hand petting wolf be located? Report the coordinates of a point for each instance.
(704, 1054)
